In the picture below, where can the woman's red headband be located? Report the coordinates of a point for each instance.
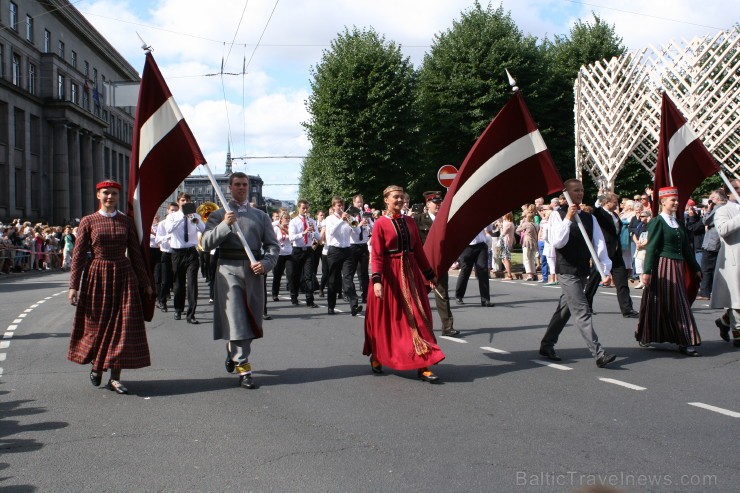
(108, 184)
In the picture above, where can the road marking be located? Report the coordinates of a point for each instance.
(529, 283)
(40, 301)
(49, 297)
(494, 350)
(4, 344)
(552, 287)
(22, 315)
(1, 371)
(610, 294)
(551, 365)
(3, 356)
(17, 320)
(716, 409)
(8, 335)
(622, 384)
(454, 339)
(32, 306)
(12, 327)
(28, 310)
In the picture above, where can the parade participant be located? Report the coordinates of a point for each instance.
(108, 328)
(711, 244)
(726, 289)
(613, 229)
(163, 240)
(358, 240)
(424, 221)
(474, 255)
(155, 254)
(318, 249)
(302, 234)
(239, 291)
(339, 256)
(572, 267)
(183, 230)
(665, 311)
(398, 324)
(285, 256)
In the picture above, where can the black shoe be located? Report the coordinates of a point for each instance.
(193, 321)
(355, 310)
(376, 367)
(459, 301)
(321, 294)
(427, 376)
(163, 307)
(275, 298)
(312, 305)
(294, 301)
(688, 351)
(330, 311)
(96, 377)
(605, 359)
(450, 332)
(246, 382)
(724, 329)
(266, 317)
(736, 343)
(631, 314)
(486, 303)
(550, 354)
(229, 363)
(178, 315)
(643, 344)
(117, 387)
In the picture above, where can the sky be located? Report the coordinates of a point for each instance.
(260, 111)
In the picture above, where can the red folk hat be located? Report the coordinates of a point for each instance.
(667, 192)
(108, 184)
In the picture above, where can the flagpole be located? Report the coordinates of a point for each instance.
(589, 244)
(729, 186)
(225, 205)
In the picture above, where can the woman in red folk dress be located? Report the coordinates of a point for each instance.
(108, 326)
(398, 324)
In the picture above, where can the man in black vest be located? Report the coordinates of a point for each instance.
(573, 267)
(424, 222)
(611, 227)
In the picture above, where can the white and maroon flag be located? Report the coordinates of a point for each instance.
(508, 166)
(164, 150)
(683, 161)
(163, 154)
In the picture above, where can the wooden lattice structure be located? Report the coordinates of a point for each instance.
(617, 104)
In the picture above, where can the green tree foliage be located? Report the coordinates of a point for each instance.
(362, 124)
(462, 84)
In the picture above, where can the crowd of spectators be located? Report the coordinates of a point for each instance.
(25, 246)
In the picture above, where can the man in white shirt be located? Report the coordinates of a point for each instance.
(475, 254)
(358, 239)
(163, 241)
(302, 233)
(339, 257)
(183, 230)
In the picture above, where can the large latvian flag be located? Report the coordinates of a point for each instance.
(508, 166)
(163, 154)
(683, 161)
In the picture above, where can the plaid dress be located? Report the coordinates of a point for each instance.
(108, 329)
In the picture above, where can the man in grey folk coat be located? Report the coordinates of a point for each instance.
(239, 293)
(726, 289)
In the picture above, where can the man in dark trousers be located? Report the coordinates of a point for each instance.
(611, 228)
(424, 221)
(572, 267)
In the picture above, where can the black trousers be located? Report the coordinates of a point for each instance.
(340, 275)
(619, 274)
(284, 265)
(324, 271)
(185, 272)
(442, 299)
(155, 260)
(360, 264)
(474, 256)
(165, 271)
(316, 259)
(302, 273)
(708, 262)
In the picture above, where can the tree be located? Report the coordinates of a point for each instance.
(362, 126)
(462, 83)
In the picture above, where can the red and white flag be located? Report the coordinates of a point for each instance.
(683, 161)
(163, 154)
(508, 166)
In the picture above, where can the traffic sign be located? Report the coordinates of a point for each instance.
(446, 175)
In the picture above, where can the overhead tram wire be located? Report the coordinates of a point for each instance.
(261, 35)
(237, 31)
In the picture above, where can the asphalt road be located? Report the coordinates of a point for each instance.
(321, 421)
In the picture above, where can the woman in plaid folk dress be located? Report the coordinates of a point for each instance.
(108, 326)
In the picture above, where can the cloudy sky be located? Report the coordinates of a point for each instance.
(279, 40)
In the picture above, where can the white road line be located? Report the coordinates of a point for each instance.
(494, 350)
(28, 310)
(454, 339)
(3, 356)
(12, 327)
(4, 344)
(1, 371)
(551, 365)
(509, 282)
(49, 297)
(17, 320)
(610, 294)
(41, 301)
(22, 315)
(56, 294)
(552, 287)
(716, 409)
(529, 283)
(622, 384)
(8, 335)
(33, 306)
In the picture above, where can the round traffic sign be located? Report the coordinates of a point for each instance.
(446, 175)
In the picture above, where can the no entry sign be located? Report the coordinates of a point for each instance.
(446, 175)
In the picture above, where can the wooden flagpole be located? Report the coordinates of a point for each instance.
(589, 244)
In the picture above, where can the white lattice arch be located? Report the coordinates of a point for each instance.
(617, 104)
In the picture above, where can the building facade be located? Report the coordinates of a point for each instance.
(57, 136)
